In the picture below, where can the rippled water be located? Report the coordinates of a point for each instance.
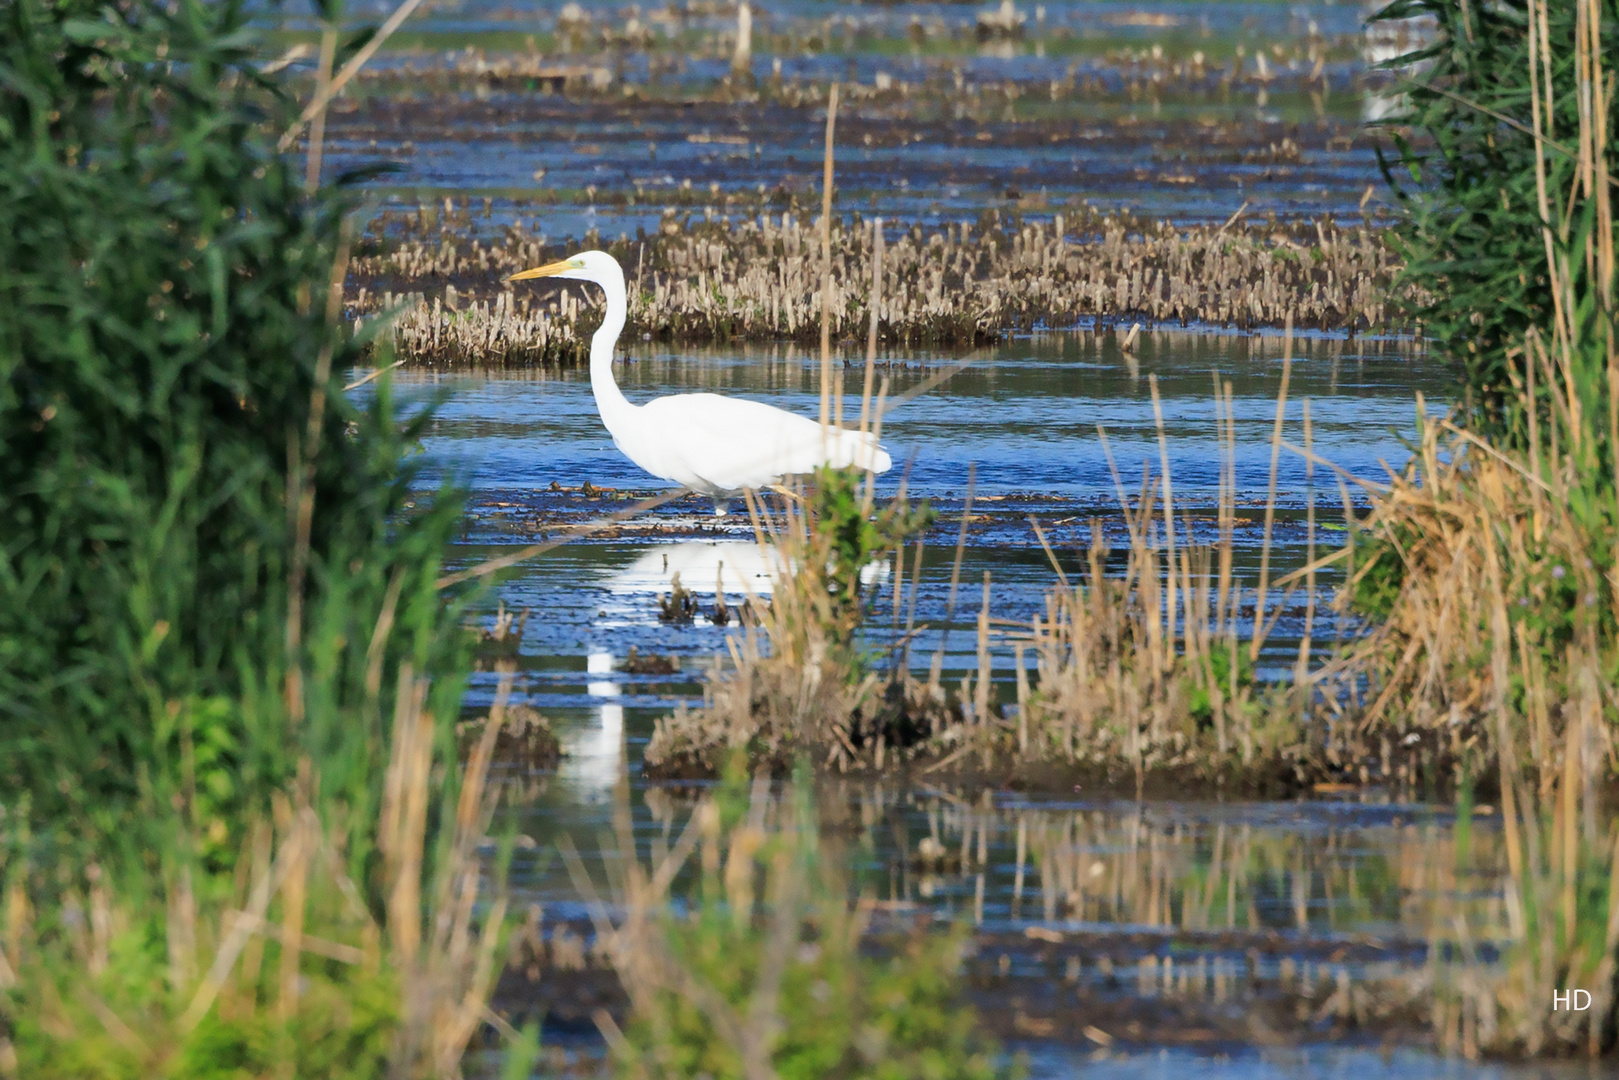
(1193, 152)
(1107, 18)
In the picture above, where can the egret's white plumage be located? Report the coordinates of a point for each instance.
(712, 444)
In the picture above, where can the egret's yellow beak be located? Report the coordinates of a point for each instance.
(549, 270)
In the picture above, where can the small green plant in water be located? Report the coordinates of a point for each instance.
(851, 537)
(1377, 578)
(1232, 684)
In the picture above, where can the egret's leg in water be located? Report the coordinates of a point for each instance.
(722, 505)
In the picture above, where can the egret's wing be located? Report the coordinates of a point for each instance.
(732, 443)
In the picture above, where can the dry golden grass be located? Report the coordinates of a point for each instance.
(1152, 669)
(1492, 637)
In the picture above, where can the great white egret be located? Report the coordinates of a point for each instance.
(712, 444)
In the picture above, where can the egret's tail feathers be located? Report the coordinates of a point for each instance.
(862, 452)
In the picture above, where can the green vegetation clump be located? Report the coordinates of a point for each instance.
(1230, 676)
(805, 684)
(228, 679)
(849, 536)
(1474, 241)
(177, 457)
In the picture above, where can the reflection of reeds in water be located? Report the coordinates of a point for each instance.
(767, 969)
(762, 279)
(1137, 867)
(1556, 925)
(1318, 931)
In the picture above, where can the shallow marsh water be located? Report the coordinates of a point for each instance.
(1021, 420)
(1178, 896)
(1098, 102)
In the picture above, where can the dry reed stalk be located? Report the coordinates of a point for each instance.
(1169, 502)
(1302, 665)
(981, 687)
(294, 898)
(826, 260)
(937, 665)
(1223, 594)
(317, 126)
(334, 86)
(1257, 642)
(462, 964)
(301, 458)
(875, 304)
(404, 814)
(910, 611)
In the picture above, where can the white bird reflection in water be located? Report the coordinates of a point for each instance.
(742, 565)
(595, 757)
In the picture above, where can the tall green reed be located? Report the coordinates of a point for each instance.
(1502, 180)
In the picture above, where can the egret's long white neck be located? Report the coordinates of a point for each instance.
(615, 409)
